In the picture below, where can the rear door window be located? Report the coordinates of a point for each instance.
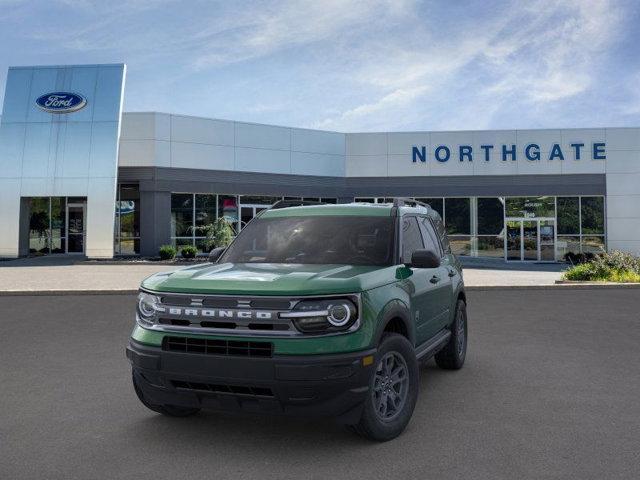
(411, 238)
(431, 241)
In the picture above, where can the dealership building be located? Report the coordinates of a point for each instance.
(80, 176)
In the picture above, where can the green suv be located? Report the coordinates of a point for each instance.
(313, 310)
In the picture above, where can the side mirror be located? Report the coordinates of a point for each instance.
(424, 259)
(215, 254)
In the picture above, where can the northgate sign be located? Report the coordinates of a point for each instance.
(531, 152)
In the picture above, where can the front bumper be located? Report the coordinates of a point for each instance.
(315, 385)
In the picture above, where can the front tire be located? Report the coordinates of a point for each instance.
(452, 356)
(393, 390)
(169, 410)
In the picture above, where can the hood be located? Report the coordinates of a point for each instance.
(271, 279)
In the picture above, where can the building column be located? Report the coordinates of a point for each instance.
(155, 221)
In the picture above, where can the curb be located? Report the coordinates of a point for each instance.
(22, 293)
(471, 288)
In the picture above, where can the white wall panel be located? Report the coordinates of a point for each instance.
(201, 130)
(262, 136)
(303, 163)
(139, 126)
(400, 143)
(140, 153)
(366, 166)
(263, 160)
(366, 144)
(623, 139)
(314, 141)
(198, 155)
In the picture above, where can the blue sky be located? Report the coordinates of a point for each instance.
(350, 65)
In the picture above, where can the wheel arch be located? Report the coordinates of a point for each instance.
(396, 318)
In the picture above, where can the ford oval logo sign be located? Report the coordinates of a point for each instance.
(61, 102)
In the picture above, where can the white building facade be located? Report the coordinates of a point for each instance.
(518, 195)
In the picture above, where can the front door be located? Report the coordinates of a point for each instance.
(75, 227)
(530, 240)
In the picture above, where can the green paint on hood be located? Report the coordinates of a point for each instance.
(271, 279)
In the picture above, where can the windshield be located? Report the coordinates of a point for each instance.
(349, 240)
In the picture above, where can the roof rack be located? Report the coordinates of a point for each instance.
(294, 203)
(404, 201)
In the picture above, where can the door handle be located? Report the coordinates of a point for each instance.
(452, 273)
(435, 279)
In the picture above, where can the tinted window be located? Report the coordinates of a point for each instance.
(411, 238)
(592, 215)
(350, 240)
(490, 216)
(429, 236)
(568, 215)
(457, 216)
(442, 234)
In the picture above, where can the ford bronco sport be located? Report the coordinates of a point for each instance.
(312, 309)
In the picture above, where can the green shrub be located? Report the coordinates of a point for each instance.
(607, 267)
(219, 233)
(188, 251)
(167, 252)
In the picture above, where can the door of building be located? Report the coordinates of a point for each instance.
(76, 229)
(530, 239)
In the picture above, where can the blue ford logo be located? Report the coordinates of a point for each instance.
(61, 102)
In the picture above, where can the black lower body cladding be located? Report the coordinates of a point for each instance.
(310, 385)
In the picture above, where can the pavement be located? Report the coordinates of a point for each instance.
(66, 274)
(550, 391)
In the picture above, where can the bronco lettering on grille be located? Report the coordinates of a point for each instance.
(219, 313)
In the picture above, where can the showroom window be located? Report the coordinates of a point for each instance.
(127, 220)
(581, 225)
(490, 226)
(457, 219)
(190, 211)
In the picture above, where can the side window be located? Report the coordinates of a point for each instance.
(411, 238)
(429, 235)
(442, 233)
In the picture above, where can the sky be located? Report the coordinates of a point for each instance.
(350, 65)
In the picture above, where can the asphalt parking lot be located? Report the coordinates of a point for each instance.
(551, 389)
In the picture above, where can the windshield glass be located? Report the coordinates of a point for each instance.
(349, 240)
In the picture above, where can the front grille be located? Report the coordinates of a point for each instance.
(208, 346)
(229, 389)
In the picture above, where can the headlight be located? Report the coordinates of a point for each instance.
(323, 315)
(148, 305)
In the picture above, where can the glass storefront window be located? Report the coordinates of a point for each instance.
(457, 216)
(228, 209)
(205, 210)
(568, 215)
(127, 226)
(39, 225)
(490, 216)
(530, 207)
(567, 244)
(592, 214)
(490, 246)
(48, 229)
(460, 244)
(181, 214)
(593, 244)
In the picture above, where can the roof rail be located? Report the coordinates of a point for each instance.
(294, 203)
(405, 201)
